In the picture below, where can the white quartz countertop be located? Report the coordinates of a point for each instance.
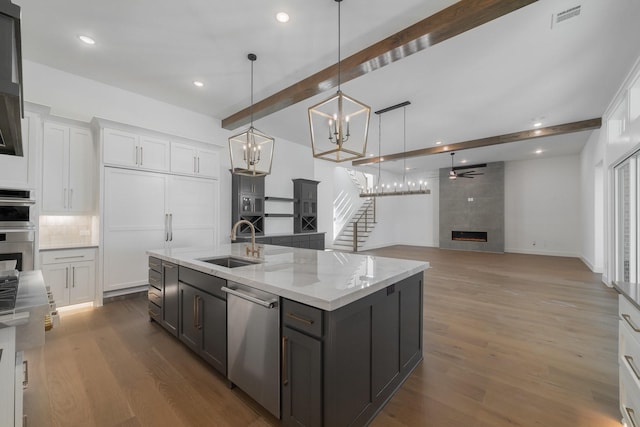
(32, 304)
(324, 279)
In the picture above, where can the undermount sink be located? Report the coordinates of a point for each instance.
(229, 261)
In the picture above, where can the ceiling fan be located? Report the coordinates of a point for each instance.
(453, 174)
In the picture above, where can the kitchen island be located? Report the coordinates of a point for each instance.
(345, 333)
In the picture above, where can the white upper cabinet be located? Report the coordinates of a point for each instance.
(68, 170)
(189, 160)
(121, 148)
(20, 171)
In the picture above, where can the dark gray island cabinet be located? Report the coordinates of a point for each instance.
(340, 367)
(342, 356)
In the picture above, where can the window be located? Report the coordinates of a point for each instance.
(627, 200)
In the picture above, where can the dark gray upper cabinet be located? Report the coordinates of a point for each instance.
(247, 194)
(305, 208)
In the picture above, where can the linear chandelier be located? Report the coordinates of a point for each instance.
(406, 188)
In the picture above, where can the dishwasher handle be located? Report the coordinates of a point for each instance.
(266, 304)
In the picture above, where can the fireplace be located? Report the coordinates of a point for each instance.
(469, 236)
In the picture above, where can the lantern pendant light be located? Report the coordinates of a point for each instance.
(339, 125)
(251, 151)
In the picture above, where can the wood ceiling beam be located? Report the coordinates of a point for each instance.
(485, 142)
(450, 22)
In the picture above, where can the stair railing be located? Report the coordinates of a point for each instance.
(365, 217)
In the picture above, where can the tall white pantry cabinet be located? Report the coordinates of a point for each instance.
(152, 205)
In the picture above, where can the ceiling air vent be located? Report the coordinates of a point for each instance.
(565, 15)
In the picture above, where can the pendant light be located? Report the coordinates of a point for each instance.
(339, 125)
(452, 173)
(251, 151)
(405, 187)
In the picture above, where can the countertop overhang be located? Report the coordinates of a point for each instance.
(326, 280)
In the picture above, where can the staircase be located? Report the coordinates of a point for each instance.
(362, 221)
(361, 224)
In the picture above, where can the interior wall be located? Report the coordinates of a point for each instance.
(407, 220)
(79, 98)
(592, 203)
(542, 206)
(290, 161)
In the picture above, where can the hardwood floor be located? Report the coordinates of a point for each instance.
(509, 340)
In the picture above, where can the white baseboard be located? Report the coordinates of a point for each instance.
(126, 291)
(547, 253)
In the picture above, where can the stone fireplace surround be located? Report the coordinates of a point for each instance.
(473, 205)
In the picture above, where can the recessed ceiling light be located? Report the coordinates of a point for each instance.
(86, 39)
(371, 155)
(538, 151)
(282, 17)
(438, 142)
(537, 124)
(198, 83)
(463, 161)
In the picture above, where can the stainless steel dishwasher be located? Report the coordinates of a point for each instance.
(253, 336)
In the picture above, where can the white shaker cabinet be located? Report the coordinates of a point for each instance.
(133, 222)
(191, 160)
(146, 210)
(20, 171)
(192, 203)
(127, 149)
(68, 170)
(11, 379)
(71, 275)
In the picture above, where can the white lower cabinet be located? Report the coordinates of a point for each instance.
(629, 361)
(71, 275)
(146, 210)
(11, 379)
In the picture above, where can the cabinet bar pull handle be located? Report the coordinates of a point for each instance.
(195, 312)
(137, 155)
(66, 277)
(141, 156)
(166, 227)
(628, 319)
(73, 277)
(198, 165)
(632, 365)
(69, 257)
(632, 416)
(285, 374)
(171, 227)
(170, 266)
(266, 304)
(25, 370)
(70, 198)
(300, 319)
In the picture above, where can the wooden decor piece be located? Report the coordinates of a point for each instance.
(450, 22)
(492, 140)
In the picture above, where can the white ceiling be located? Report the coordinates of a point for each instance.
(495, 79)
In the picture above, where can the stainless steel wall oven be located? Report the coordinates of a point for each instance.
(17, 229)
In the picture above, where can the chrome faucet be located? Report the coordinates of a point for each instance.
(253, 251)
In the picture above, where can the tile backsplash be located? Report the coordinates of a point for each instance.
(64, 231)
